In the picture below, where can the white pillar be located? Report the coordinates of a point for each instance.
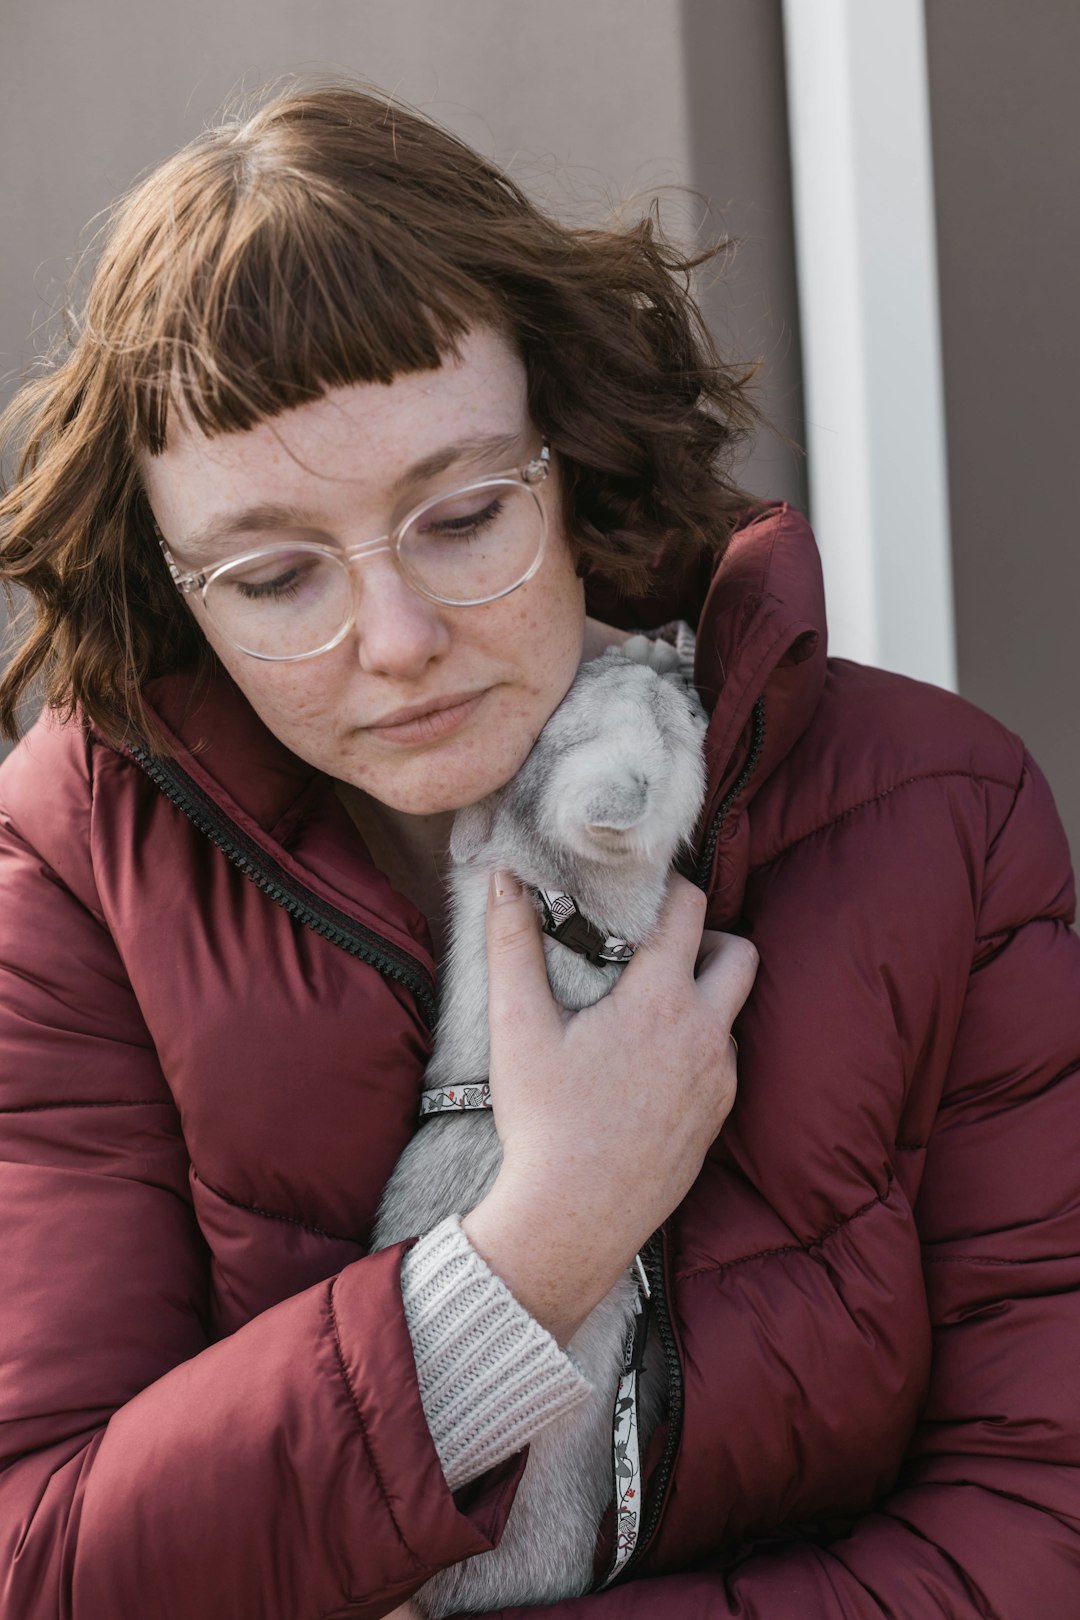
(858, 106)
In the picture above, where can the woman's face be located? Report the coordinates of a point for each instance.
(334, 465)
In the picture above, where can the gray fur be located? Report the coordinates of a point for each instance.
(608, 795)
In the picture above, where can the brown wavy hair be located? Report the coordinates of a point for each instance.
(333, 237)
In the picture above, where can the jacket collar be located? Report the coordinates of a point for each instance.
(221, 742)
(760, 614)
(762, 633)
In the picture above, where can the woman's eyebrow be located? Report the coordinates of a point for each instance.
(470, 449)
(270, 515)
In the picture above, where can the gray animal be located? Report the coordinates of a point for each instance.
(610, 792)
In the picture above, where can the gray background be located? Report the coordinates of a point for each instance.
(1005, 121)
(588, 104)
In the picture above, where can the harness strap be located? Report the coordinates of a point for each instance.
(564, 921)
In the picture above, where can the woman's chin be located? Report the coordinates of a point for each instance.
(432, 788)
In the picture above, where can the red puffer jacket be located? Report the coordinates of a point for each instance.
(215, 1018)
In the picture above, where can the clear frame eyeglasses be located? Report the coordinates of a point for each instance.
(286, 602)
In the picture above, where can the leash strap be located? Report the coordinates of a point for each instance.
(453, 1099)
(625, 1443)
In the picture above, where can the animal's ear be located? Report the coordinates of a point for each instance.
(663, 659)
(657, 655)
(472, 829)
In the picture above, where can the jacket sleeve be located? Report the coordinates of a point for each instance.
(285, 1472)
(984, 1523)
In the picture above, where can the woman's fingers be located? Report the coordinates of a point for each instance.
(580, 1115)
(674, 943)
(681, 959)
(519, 995)
(681, 948)
(726, 969)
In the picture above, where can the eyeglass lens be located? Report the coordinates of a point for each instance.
(471, 546)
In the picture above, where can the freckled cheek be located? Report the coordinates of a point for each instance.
(299, 706)
(302, 715)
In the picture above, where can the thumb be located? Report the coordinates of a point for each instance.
(519, 995)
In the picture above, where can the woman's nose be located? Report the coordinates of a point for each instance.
(397, 631)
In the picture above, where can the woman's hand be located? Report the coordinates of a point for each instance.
(604, 1116)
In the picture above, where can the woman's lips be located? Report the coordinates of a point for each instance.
(428, 727)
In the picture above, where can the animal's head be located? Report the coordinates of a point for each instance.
(617, 772)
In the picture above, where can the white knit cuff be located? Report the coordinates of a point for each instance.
(490, 1376)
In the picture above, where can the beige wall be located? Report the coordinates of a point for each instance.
(736, 114)
(1006, 139)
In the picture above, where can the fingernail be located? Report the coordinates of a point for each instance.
(504, 886)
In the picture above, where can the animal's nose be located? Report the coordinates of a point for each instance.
(619, 805)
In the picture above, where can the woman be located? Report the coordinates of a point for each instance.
(222, 848)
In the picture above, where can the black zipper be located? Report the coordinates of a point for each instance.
(653, 1253)
(652, 1257)
(294, 897)
(757, 743)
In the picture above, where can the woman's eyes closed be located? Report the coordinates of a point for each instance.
(279, 576)
(284, 585)
(453, 524)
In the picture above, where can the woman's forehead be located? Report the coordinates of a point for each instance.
(360, 441)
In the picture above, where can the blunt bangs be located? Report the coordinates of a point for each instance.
(256, 276)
